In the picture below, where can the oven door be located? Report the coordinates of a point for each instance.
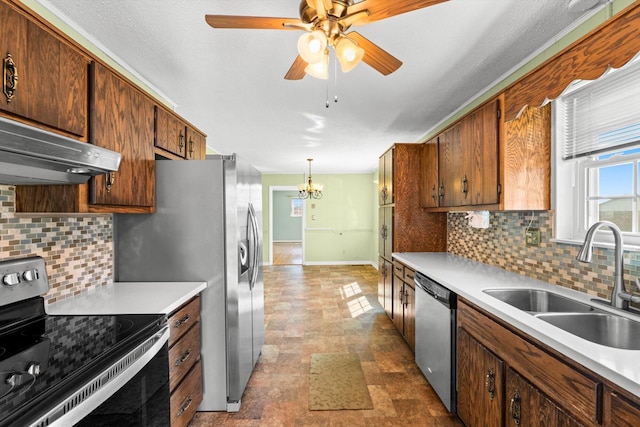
(143, 401)
(134, 391)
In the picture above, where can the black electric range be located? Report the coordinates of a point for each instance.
(51, 364)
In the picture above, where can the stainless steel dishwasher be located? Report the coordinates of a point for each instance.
(436, 337)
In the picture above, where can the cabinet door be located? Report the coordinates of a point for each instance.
(13, 42)
(480, 382)
(124, 119)
(410, 316)
(398, 304)
(526, 405)
(55, 82)
(388, 288)
(623, 412)
(388, 175)
(385, 232)
(429, 170)
(196, 145)
(170, 132)
(449, 166)
(385, 178)
(483, 190)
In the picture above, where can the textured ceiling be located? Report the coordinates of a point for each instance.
(229, 83)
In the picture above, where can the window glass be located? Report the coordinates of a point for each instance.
(296, 207)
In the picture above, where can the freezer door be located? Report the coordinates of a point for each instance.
(245, 313)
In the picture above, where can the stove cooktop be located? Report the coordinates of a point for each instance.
(46, 359)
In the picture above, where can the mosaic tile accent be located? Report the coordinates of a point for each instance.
(503, 245)
(78, 250)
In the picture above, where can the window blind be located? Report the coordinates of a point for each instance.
(602, 114)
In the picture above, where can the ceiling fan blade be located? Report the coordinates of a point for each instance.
(296, 72)
(254, 22)
(382, 9)
(375, 56)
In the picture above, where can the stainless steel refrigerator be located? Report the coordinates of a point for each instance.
(207, 227)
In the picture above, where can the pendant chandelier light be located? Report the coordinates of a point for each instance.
(309, 190)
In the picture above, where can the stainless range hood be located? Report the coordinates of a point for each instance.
(31, 156)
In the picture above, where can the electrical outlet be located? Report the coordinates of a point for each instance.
(532, 236)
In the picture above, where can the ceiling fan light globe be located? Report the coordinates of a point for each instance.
(311, 46)
(349, 54)
(319, 70)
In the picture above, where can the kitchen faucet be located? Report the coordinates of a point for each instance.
(620, 298)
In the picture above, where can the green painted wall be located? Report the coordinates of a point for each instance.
(285, 227)
(339, 228)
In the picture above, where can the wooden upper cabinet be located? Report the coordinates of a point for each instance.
(468, 160)
(13, 47)
(480, 156)
(385, 178)
(170, 132)
(527, 160)
(429, 172)
(124, 119)
(450, 166)
(51, 87)
(196, 148)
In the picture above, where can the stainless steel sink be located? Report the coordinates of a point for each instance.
(539, 301)
(601, 328)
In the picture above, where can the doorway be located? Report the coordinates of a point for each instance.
(286, 219)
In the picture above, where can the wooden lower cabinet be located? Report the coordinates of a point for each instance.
(529, 407)
(480, 378)
(185, 368)
(385, 285)
(186, 398)
(505, 379)
(622, 411)
(404, 303)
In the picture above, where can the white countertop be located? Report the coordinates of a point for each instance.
(468, 278)
(130, 298)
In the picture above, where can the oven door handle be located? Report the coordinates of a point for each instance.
(101, 387)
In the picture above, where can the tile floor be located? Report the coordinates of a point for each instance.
(316, 309)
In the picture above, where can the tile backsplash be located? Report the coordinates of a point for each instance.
(78, 250)
(503, 245)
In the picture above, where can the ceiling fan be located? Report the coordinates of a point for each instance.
(325, 23)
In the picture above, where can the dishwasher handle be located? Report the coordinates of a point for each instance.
(438, 292)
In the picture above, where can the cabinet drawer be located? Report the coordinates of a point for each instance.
(186, 398)
(398, 269)
(623, 411)
(183, 319)
(580, 395)
(183, 355)
(409, 276)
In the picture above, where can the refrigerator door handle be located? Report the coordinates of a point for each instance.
(255, 241)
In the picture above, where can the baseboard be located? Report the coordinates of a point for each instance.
(341, 263)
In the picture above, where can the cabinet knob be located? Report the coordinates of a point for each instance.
(10, 83)
(490, 383)
(185, 405)
(181, 140)
(465, 186)
(109, 181)
(183, 358)
(191, 147)
(181, 321)
(515, 408)
(441, 191)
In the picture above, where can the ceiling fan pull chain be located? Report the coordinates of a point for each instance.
(327, 95)
(335, 81)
